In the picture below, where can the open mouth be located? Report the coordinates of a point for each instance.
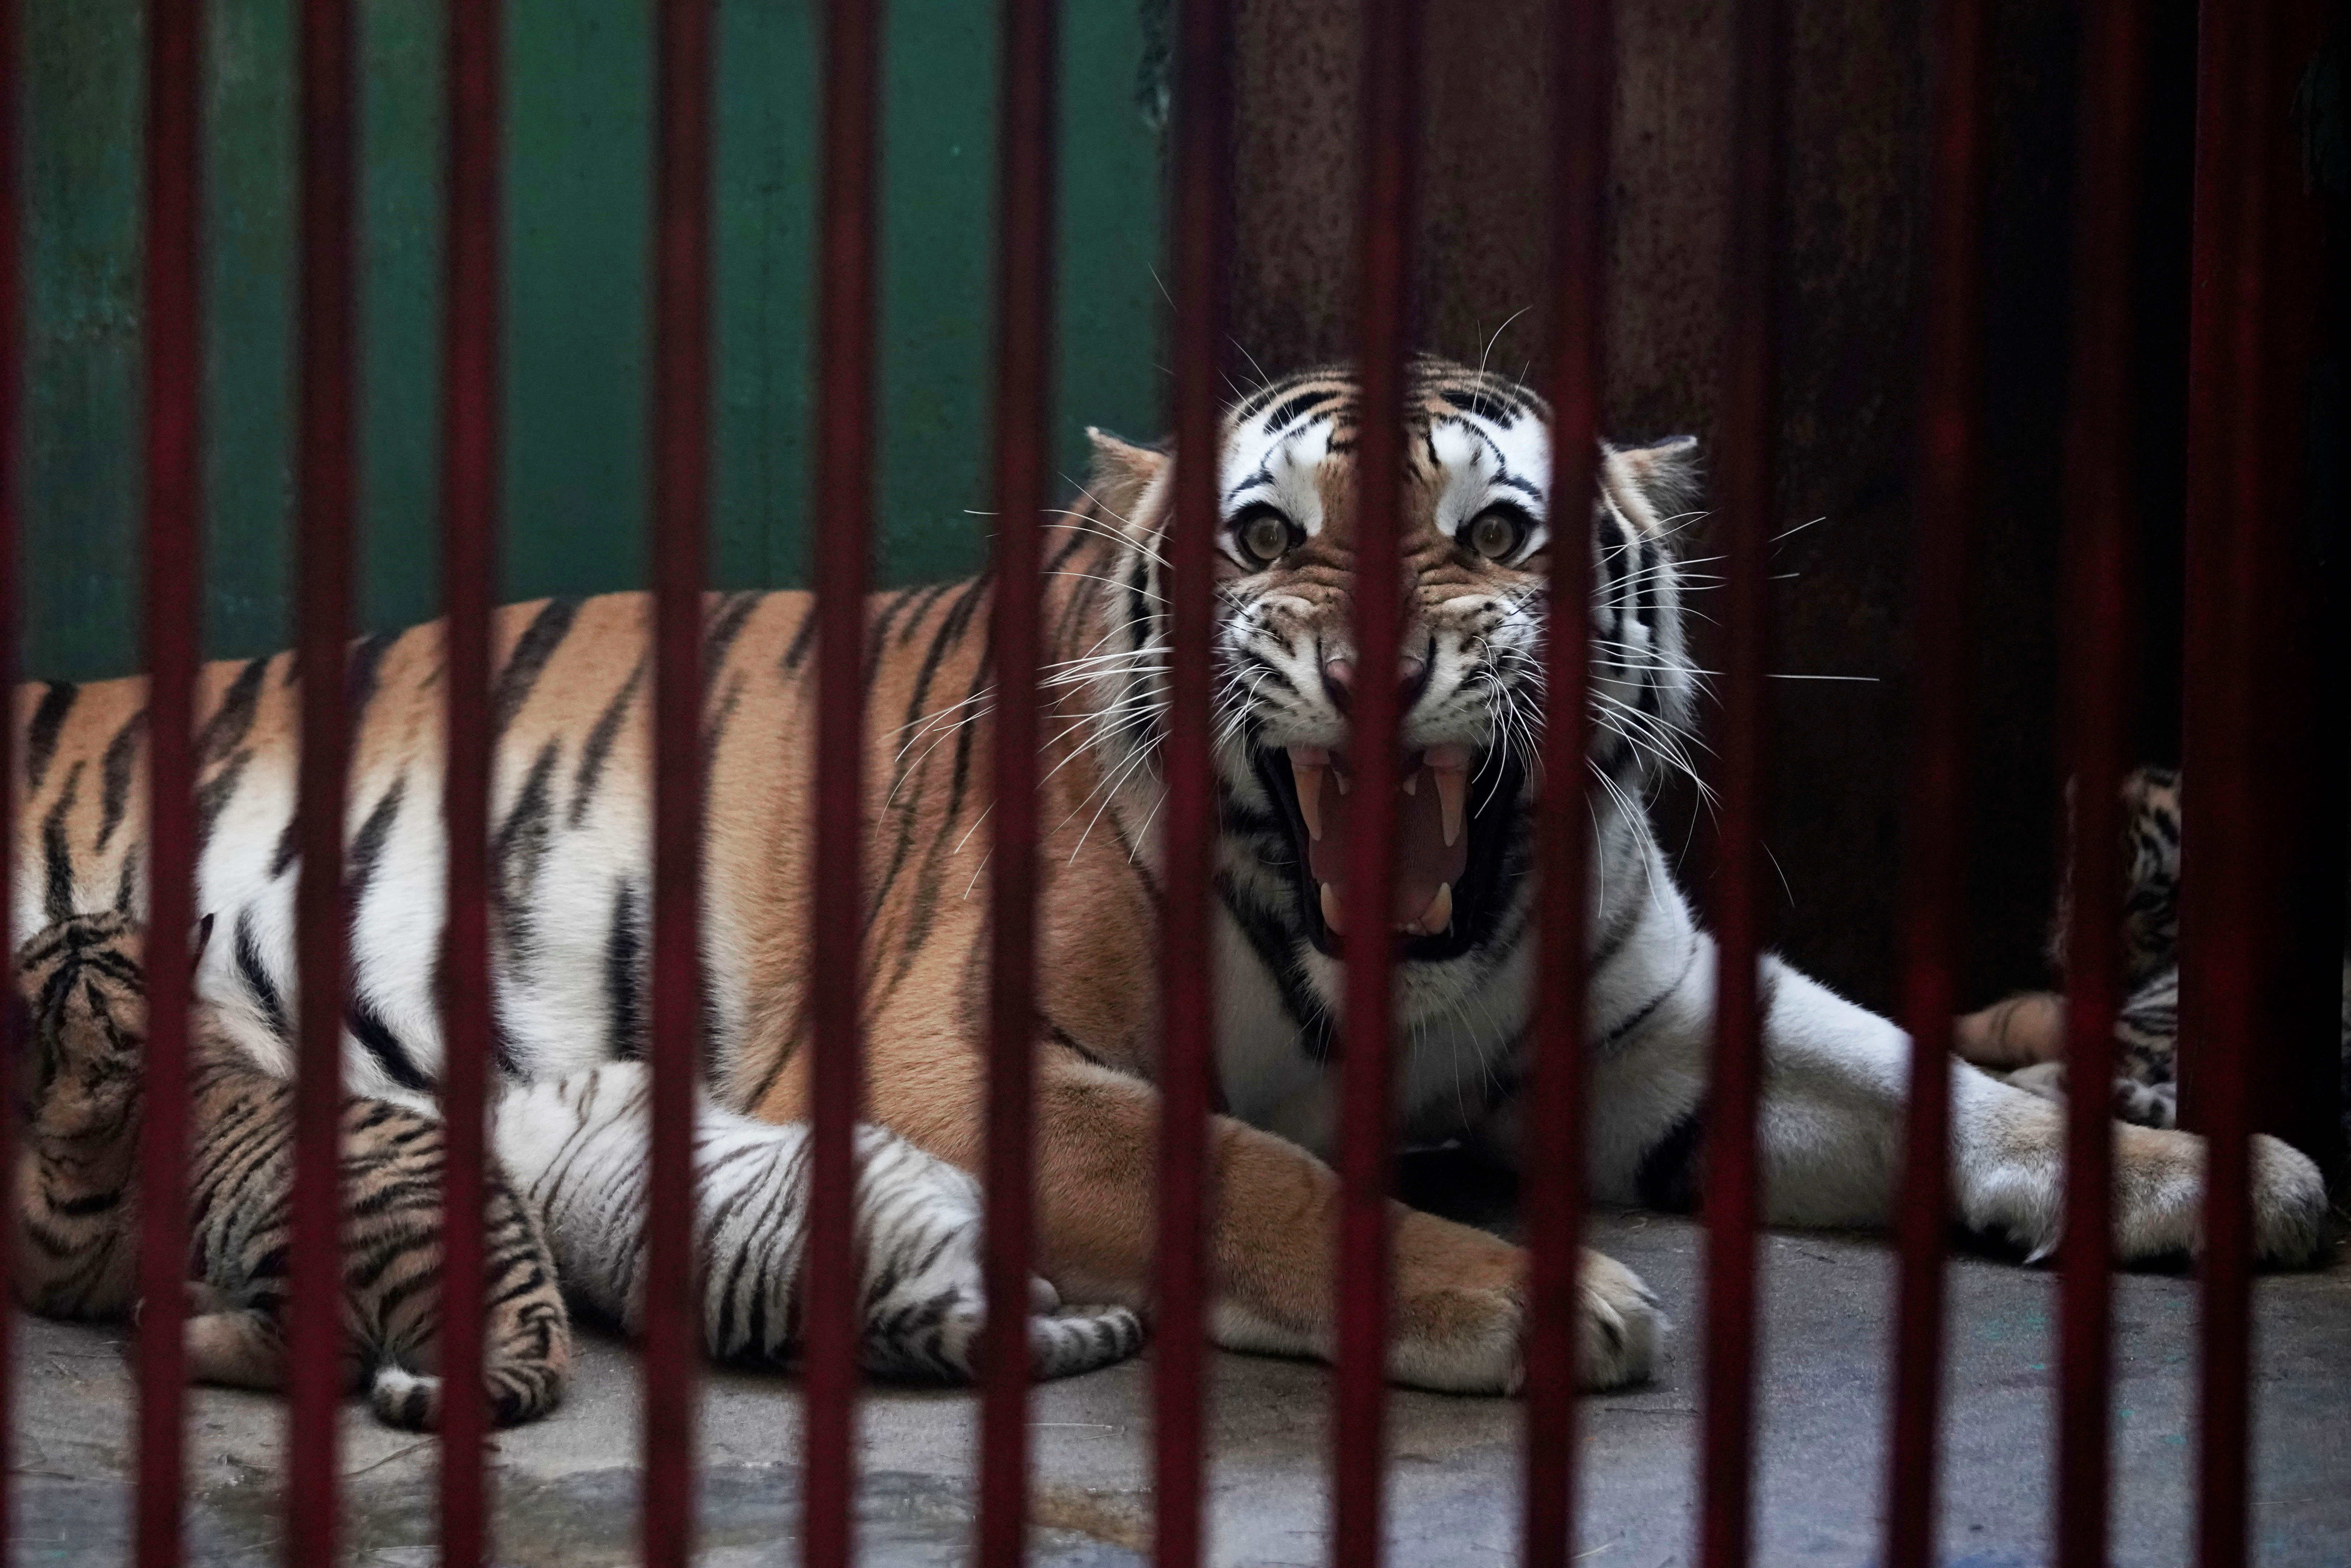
(1455, 810)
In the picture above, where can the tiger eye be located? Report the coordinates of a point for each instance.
(1495, 534)
(1265, 537)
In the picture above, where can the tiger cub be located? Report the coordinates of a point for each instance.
(79, 1207)
(576, 1147)
(2026, 1033)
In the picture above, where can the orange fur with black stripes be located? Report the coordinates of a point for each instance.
(571, 823)
(84, 985)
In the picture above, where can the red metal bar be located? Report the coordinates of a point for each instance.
(1202, 242)
(12, 370)
(469, 566)
(681, 439)
(1024, 329)
(1750, 435)
(173, 619)
(1949, 462)
(324, 493)
(1383, 238)
(2098, 633)
(2232, 526)
(1583, 42)
(844, 492)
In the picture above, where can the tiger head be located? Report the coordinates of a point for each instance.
(1478, 526)
(85, 996)
(82, 984)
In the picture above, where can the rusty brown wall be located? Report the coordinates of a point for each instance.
(1857, 116)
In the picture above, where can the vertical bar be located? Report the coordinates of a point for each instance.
(323, 518)
(1950, 458)
(1750, 434)
(469, 566)
(11, 403)
(1384, 236)
(2097, 672)
(171, 614)
(1024, 328)
(2235, 499)
(681, 435)
(844, 489)
(1583, 44)
(1202, 219)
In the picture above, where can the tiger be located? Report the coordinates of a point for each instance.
(84, 988)
(2023, 1035)
(576, 1150)
(571, 851)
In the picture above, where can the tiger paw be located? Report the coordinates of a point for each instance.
(1070, 1340)
(1461, 1315)
(2159, 1198)
(1624, 1330)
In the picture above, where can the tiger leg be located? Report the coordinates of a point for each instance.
(1835, 1087)
(2020, 1031)
(2143, 1104)
(528, 1363)
(1459, 1294)
(240, 1348)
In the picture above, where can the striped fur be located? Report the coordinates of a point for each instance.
(577, 1149)
(571, 851)
(82, 981)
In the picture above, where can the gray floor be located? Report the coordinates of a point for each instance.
(567, 1489)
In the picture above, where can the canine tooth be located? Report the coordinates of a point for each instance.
(1438, 915)
(1452, 785)
(1341, 779)
(1307, 776)
(1412, 783)
(1330, 913)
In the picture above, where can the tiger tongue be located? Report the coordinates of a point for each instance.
(1428, 811)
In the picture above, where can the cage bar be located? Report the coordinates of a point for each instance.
(681, 477)
(1024, 326)
(1749, 474)
(1583, 43)
(174, 509)
(2097, 645)
(1187, 1049)
(844, 489)
(470, 365)
(1384, 236)
(2234, 557)
(1950, 482)
(324, 494)
(12, 387)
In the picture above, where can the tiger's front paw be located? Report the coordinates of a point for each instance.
(1461, 1315)
(1623, 1336)
(2289, 1206)
(2159, 1198)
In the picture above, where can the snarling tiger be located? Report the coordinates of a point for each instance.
(572, 831)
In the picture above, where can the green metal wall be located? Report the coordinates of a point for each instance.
(580, 94)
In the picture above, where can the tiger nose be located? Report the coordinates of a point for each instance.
(1412, 679)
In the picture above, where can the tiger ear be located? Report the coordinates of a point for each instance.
(1665, 472)
(1122, 472)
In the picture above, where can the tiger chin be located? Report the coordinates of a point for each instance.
(570, 829)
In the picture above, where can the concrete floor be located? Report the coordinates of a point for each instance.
(567, 1489)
